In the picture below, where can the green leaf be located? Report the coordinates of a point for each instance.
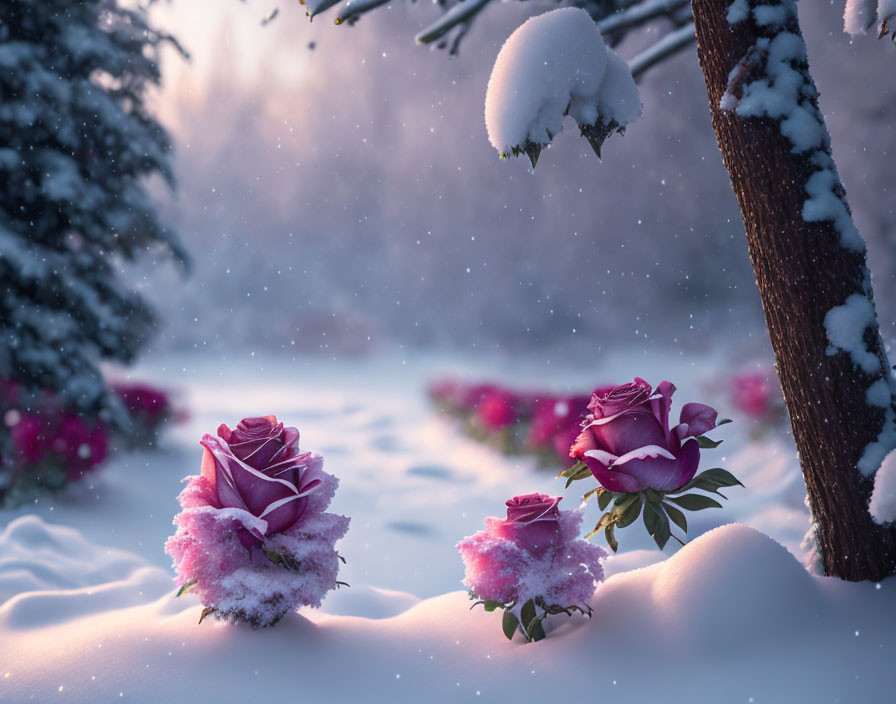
(528, 614)
(719, 477)
(723, 421)
(710, 480)
(581, 474)
(651, 517)
(706, 444)
(490, 606)
(678, 518)
(631, 513)
(572, 470)
(610, 534)
(653, 496)
(695, 502)
(186, 588)
(604, 498)
(536, 630)
(509, 623)
(663, 532)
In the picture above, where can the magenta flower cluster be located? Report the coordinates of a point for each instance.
(50, 446)
(253, 539)
(516, 422)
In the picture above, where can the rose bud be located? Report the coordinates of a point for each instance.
(532, 522)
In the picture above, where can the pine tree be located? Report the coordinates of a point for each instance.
(77, 143)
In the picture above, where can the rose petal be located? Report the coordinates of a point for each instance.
(612, 479)
(628, 431)
(699, 418)
(255, 488)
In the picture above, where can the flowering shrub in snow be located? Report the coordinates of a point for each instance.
(627, 445)
(49, 446)
(553, 65)
(531, 564)
(253, 539)
(514, 422)
(149, 407)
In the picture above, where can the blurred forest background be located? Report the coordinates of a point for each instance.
(337, 193)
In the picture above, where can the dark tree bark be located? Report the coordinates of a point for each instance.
(802, 271)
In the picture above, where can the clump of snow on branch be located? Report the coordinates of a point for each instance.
(557, 64)
(862, 15)
(883, 499)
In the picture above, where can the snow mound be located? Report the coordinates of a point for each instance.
(50, 574)
(705, 591)
(733, 600)
(556, 64)
(883, 499)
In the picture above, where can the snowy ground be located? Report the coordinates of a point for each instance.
(88, 612)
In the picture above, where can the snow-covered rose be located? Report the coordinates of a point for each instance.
(533, 555)
(627, 444)
(254, 540)
(532, 522)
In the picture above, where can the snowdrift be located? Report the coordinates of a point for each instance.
(730, 617)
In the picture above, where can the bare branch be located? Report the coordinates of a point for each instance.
(462, 12)
(663, 49)
(352, 11)
(640, 14)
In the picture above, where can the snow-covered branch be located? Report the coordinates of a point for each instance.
(352, 11)
(639, 14)
(464, 11)
(557, 64)
(663, 49)
(862, 15)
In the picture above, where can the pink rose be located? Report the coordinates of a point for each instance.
(534, 552)
(257, 467)
(750, 393)
(496, 409)
(532, 522)
(627, 444)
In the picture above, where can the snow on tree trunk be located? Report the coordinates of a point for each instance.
(553, 65)
(810, 267)
(883, 500)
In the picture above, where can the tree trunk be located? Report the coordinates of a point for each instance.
(804, 270)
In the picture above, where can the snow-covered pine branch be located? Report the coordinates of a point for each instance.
(862, 15)
(557, 64)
